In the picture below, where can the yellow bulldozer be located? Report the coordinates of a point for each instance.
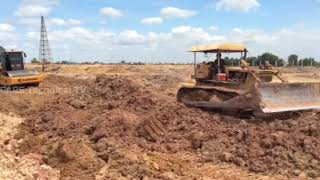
(13, 72)
(259, 90)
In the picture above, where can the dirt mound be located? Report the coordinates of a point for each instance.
(117, 119)
(13, 167)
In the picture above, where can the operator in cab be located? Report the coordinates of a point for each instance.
(216, 66)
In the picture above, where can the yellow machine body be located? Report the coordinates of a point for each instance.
(243, 88)
(18, 81)
(13, 72)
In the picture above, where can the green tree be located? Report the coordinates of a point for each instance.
(307, 62)
(273, 59)
(231, 61)
(35, 61)
(293, 60)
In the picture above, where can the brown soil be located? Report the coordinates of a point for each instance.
(29, 166)
(121, 126)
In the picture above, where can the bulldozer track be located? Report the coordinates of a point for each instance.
(154, 130)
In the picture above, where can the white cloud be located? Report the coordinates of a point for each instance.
(8, 36)
(182, 29)
(62, 22)
(176, 13)
(213, 28)
(155, 39)
(74, 22)
(111, 12)
(80, 42)
(194, 35)
(34, 23)
(169, 13)
(33, 11)
(179, 39)
(41, 2)
(57, 21)
(130, 37)
(30, 22)
(35, 8)
(6, 28)
(152, 21)
(81, 32)
(252, 36)
(238, 5)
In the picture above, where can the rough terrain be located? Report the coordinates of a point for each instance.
(123, 122)
(12, 166)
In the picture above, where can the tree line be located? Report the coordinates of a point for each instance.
(292, 60)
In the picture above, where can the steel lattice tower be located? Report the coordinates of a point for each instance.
(45, 55)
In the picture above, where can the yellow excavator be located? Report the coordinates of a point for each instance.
(13, 72)
(261, 90)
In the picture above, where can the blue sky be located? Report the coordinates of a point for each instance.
(159, 30)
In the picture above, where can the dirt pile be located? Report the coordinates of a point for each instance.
(13, 167)
(283, 146)
(116, 123)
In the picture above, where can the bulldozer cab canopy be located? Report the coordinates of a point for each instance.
(215, 48)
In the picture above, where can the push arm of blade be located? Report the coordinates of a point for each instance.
(282, 78)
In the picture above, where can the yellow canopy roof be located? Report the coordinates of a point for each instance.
(219, 47)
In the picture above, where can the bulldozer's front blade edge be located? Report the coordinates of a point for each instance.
(284, 97)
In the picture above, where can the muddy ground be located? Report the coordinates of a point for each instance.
(123, 122)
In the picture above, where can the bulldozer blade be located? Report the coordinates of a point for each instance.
(284, 97)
